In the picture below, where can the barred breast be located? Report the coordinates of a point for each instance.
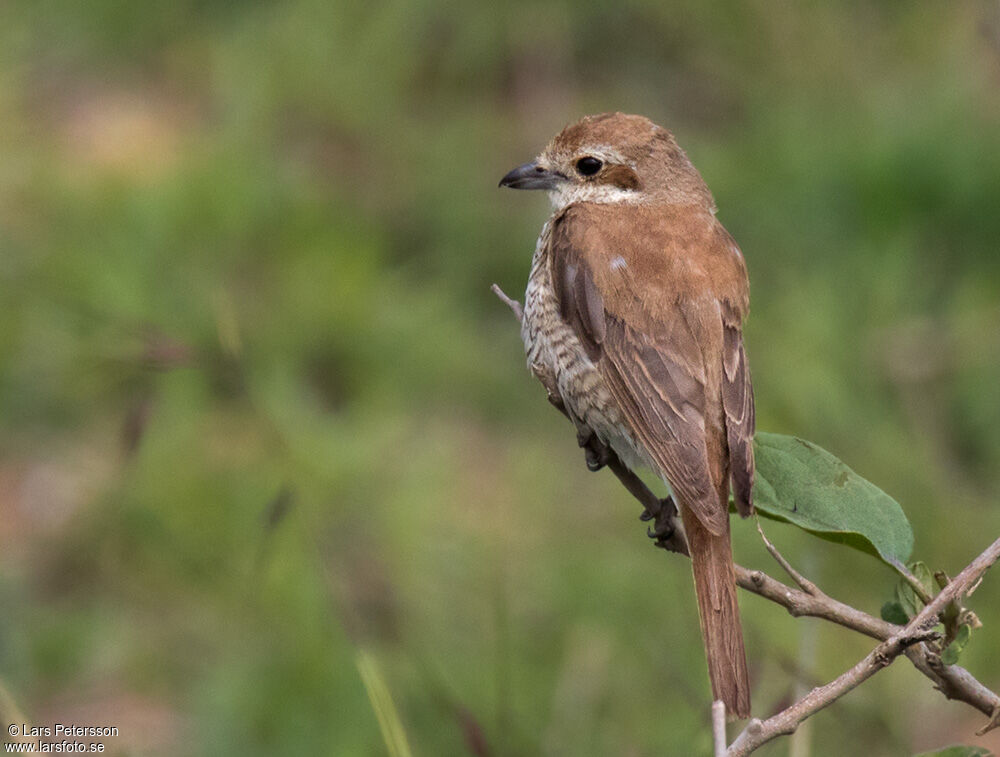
(556, 356)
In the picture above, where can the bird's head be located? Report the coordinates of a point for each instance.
(610, 158)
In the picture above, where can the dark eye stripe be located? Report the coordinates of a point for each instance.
(588, 166)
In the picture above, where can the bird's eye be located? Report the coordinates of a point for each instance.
(588, 166)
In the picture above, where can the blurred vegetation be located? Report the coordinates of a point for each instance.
(261, 418)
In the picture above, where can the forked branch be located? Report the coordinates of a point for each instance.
(920, 629)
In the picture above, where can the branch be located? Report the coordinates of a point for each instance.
(514, 305)
(805, 584)
(819, 605)
(917, 630)
(719, 727)
(758, 732)
(952, 681)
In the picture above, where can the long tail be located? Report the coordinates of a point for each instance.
(715, 586)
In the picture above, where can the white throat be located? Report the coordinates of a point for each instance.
(569, 192)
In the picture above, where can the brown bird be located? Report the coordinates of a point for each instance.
(633, 311)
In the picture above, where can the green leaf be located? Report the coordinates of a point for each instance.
(951, 652)
(893, 612)
(803, 484)
(923, 574)
(908, 599)
(959, 751)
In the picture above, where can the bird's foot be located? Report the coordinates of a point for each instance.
(664, 522)
(597, 452)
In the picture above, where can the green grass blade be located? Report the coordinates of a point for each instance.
(393, 733)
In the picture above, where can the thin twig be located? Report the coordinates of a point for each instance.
(759, 732)
(804, 583)
(514, 305)
(992, 723)
(719, 727)
(818, 605)
(957, 683)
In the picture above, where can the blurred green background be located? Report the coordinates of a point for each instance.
(260, 414)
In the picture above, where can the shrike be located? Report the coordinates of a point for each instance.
(633, 309)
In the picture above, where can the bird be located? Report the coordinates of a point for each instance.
(633, 312)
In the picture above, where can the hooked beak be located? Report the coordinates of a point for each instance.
(531, 176)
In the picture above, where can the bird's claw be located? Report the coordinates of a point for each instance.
(595, 451)
(663, 528)
(596, 459)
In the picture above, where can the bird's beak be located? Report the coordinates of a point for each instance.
(531, 176)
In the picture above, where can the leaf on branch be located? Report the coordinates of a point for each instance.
(951, 652)
(907, 597)
(893, 612)
(803, 484)
(959, 751)
(956, 622)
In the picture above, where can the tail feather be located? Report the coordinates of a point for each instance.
(715, 586)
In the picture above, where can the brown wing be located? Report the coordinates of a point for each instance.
(737, 400)
(648, 311)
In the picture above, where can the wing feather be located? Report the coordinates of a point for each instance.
(675, 365)
(737, 399)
